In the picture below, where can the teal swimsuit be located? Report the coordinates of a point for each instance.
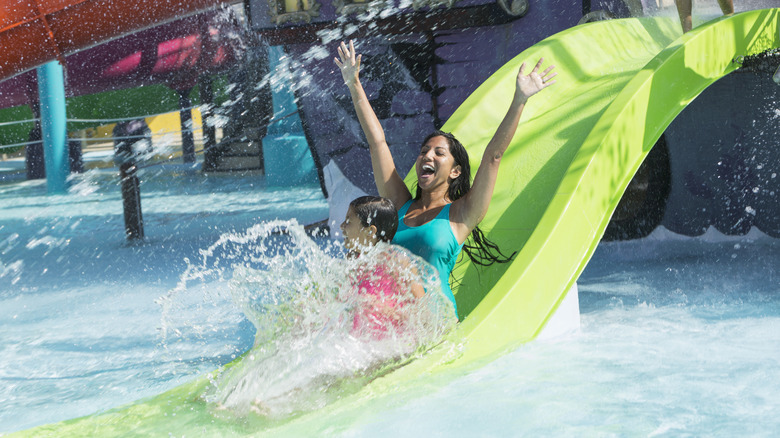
(434, 242)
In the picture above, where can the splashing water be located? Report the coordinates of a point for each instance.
(324, 324)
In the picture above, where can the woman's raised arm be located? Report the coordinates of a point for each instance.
(388, 182)
(471, 209)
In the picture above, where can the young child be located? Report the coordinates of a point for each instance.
(369, 227)
(311, 345)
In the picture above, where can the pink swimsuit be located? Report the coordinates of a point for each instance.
(375, 318)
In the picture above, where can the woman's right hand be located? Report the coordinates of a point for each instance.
(534, 82)
(349, 64)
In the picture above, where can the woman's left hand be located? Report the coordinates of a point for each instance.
(534, 82)
(349, 63)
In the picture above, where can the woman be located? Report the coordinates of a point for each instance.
(446, 208)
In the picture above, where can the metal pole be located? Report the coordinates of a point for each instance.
(131, 200)
(33, 154)
(187, 137)
(51, 89)
(210, 154)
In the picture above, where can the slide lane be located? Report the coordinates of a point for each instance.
(620, 84)
(569, 166)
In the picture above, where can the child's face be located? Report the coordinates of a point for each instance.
(355, 234)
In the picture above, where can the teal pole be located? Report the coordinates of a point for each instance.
(51, 92)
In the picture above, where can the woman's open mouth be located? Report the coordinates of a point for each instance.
(426, 171)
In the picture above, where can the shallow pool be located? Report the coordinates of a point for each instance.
(79, 319)
(680, 336)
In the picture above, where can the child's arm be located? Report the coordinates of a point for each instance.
(417, 290)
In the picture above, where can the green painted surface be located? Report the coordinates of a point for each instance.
(127, 103)
(620, 84)
(131, 102)
(16, 133)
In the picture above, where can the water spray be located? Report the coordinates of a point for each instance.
(776, 76)
(761, 63)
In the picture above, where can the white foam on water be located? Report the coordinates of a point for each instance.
(305, 303)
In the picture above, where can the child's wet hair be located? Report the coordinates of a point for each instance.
(379, 212)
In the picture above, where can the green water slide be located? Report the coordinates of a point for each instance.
(620, 84)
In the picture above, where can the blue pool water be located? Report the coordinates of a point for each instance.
(80, 327)
(679, 336)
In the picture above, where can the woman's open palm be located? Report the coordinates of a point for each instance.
(348, 63)
(534, 82)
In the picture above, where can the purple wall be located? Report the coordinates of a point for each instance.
(414, 80)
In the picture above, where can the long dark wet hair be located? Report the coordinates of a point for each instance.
(479, 248)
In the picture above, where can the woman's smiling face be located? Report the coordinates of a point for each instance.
(435, 165)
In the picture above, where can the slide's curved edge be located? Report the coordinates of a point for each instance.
(595, 161)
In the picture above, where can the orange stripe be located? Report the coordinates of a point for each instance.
(57, 52)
